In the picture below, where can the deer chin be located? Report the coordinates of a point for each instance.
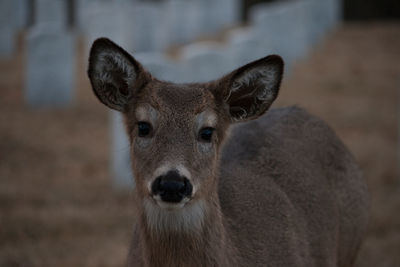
(174, 217)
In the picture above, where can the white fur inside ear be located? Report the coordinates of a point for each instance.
(263, 80)
(253, 91)
(113, 75)
(111, 63)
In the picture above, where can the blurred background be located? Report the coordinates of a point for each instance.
(66, 190)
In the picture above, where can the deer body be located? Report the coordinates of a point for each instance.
(281, 190)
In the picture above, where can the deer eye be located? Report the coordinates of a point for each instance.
(144, 128)
(206, 133)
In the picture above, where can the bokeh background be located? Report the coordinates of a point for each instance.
(66, 193)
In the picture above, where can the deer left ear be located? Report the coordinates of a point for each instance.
(250, 90)
(114, 74)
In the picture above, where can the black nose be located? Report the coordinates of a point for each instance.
(172, 187)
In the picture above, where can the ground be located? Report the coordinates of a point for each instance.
(57, 205)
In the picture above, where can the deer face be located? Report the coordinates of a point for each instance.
(175, 133)
(177, 130)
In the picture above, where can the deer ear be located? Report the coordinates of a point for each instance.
(250, 90)
(114, 74)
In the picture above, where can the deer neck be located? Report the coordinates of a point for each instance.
(192, 236)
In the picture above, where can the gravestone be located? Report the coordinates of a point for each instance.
(120, 154)
(203, 62)
(245, 45)
(318, 16)
(227, 13)
(7, 40)
(50, 57)
(270, 22)
(335, 8)
(22, 13)
(193, 21)
(297, 30)
(187, 20)
(139, 26)
(49, 67)
(101, 21)
(80, 15)
(51, 12)
(9, 26)
(159, 66)
(289, 27)
(146, 27)
(183, 20)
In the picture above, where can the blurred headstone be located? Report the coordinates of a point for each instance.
(146, 27)
(187, 20)
(292, 27)
(7, 40)
(102, 21)
(335, 9)
(319, 19)
(50, 57)
(297, 30)
(50, 67)
(178, 20)
(227, 13)
(245, 45)
(9, 26)
(22, 13)
(159, 66)
(271, 22)
(51, 12)
(203, 62)
(137, 28)
(120, 154)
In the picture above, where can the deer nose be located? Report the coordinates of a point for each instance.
(172, 187)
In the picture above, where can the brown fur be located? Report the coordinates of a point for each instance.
(281, 190)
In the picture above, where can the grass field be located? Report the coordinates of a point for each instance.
(57, 206)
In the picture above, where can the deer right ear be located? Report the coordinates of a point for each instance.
(250, 90)
(114, 74)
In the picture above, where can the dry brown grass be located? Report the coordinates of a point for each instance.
(57, 207)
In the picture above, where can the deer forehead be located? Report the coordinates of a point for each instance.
(205, 118)
(183, 97)
(180, 103)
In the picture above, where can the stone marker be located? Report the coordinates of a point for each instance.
(227, 13)
(51, 12)
(203, 62)
(159, 66)
(319, 19)
(7, 41)
(137, 28)
(49, 67)
(178, 22)
(245, 45)
(101, 21)
(120, 154)
(22, 13)
(335, 9)
(270, 21)
(146, 25)
(9, 25)
(290, 27)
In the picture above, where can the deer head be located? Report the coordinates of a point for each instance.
(176, 130)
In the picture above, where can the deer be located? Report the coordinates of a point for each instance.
(218, 183)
